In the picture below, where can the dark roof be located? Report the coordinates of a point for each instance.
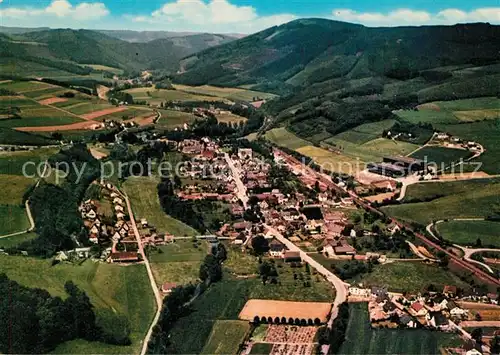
(124, 256)
(387, 166)
(405, 319)
(450, 289)
(439, 318)
(406, 160)
(276, 245)
(389, 307)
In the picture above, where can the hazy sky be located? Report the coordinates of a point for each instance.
(237, 16)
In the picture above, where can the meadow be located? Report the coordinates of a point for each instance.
(233, 94)
(178, 262)
(155, 97)
(25, 86)
(333, 161)
(12, 162)
(87, 107)
(427, 116)
(443, 157)
(143, 196)
(17, 186)
(173, 119)
(226, 336)
(362, 339)
(467, 232)
(36, 116)
(365, 132)
(13, 219)
(284, 138)
(117, 293)
(13, 241)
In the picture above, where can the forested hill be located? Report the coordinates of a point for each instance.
(308, 51)
(65, 47)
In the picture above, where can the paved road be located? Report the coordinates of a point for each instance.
(242, 190)
(159, 300)
(469, 251)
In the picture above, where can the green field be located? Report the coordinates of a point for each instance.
(469, 104)
(178, 262)
(410, 276)
(12, 162)
(467, 232)
(460, 199)
(172, 119)
(484, 132)
(143, 196)
(105, 68)
(365, 132)
(115, 291)
(47, 92)
(88, 107)
(362, 339)
(284, 138)
(40, 116)
(154, 96)
(233, 94)
(10, 242)
(261, 349)
(226, 336)
(25, 86)
(427, 116)
(16, 185)
(441, 156)
(11, 136)
(13, 219)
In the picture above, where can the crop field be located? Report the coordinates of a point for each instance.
(114, 290)
(17, 186)
(469, 104)
(126, 114)
(230, 118)
(467, 232)
(13, 219)
(362, 339)
(476, 203)
(226, 336)
(484, 132)
(88, 107)
(47, 92)
(144, 199)
(477, 115)
(11, 136)
(441, 156)
(36, 116)
(333, 161)
(16, 66)
(13, 101)
(427, 116)
(178, 262)
(410, 276)
(283, 137)
(12, 162)
(105, 68)
(233, 94)
(10, 242)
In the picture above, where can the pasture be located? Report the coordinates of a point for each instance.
(12, 162)
(37, 116)
(17, 186)
(155, 97)
(25, 86)
(410, 276)
(116, 292)
(178, 262)
(13, 241)
(13, 219)
(105, 68)
(173, 119)
(230, 118)
(88, 107)
(226, 336)
(365, 132)
(143, 196)
(442, 156)
(11, 136)
(333, 161)
(284, 138)
(233, 94)
(427, 116)
(362, 339)
(467, 232)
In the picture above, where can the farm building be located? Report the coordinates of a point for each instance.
(387, 169)
(316, 312)
(410, 164)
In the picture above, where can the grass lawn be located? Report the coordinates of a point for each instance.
(226, 337)
(441, 156)
(178, 262)
(115, 291)
(13, 219)
(457, 199)
(284, 138)
(143, 196)
(467, 232)
(16, 240)
(16, 185)
(410, 276)
(362, 339)
(12, 162)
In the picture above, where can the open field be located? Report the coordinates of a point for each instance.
(85, 107)
(467, 232)
(233, 94)
(442, 156)
(10, 242)
(410, 277)
(427, 116)
(477, 115)
(104, 112)
(105, 68)
(362, 339)
(52, 100)
(226, 336)
(287, 309)
(284, 138)
(333, 161)
(484, 132)
(13, 219)
(25, 86)
(172, 119)
(469, 104)
(474, 202)
(230, 118)
(114, 290)
(178, 262)
(15, 187)
(365, 132)
(12, 162)
(155, 97)
(144, 199)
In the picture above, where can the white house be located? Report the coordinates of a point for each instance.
(361, 292)
(276, 249)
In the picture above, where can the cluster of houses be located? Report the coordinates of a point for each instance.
(450, 141)
(110, 231)
(436, 310)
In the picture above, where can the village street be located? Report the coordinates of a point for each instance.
(242, 190)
